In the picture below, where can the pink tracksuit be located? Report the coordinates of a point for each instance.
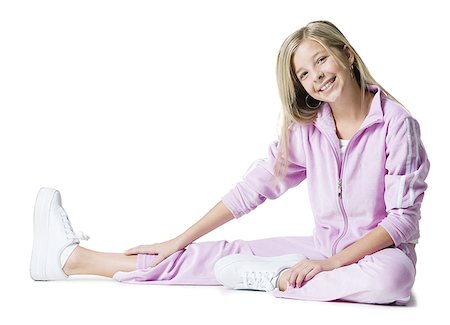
(378, 181)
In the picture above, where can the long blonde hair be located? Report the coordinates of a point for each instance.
(292, 93)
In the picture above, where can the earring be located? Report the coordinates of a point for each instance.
(318, 103)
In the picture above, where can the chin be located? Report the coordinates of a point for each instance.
(331, 99)
(333, 96)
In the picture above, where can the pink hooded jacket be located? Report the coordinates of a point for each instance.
(379, 181)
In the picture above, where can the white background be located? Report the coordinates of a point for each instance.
(144, 113)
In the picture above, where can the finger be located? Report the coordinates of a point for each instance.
(294, 275)
(307, 275)
(131, 251)
(311, 274)
(301, 277)
(134, 250)
(297, 270)
(284, 276)
(142, 249)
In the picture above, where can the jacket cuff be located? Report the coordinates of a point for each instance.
(229, 201)
(392, 230)
(242, 200)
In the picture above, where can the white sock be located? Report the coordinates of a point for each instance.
(66, 253)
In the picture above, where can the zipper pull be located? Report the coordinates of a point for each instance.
(339, 188)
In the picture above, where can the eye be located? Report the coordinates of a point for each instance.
(322, 59)
(303, 75)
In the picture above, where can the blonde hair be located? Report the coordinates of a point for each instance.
(292, 93)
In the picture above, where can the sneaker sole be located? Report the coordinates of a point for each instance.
(41, 234)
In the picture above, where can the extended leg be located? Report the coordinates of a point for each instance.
(56, 253)
(195, 263)
(86, 261)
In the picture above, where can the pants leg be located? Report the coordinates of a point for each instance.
(194, 265)
(384, 277)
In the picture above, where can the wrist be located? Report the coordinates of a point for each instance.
(180, 242)
(335, 261)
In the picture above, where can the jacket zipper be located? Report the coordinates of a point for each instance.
(340, 188)
(340, 203)
(339, 183)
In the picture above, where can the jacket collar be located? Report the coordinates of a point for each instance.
(325, 120)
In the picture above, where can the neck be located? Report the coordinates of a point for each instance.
(348, 107)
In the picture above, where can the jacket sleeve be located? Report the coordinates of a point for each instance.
(407, 167)
(257, 184)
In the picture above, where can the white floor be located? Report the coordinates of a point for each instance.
(93, 299)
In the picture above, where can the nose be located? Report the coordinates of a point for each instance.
(318, 75)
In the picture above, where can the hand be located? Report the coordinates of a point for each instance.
(305, 270)
(162, 250)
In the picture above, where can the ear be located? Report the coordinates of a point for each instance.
(349, 54)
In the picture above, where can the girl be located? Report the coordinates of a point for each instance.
(366, 167)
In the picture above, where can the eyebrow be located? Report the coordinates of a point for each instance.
(314, 56)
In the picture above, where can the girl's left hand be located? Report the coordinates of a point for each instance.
(305, 270)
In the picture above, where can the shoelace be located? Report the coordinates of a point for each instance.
(260, 280)
(69, 230)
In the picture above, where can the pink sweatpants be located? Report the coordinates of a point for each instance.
(384, 277)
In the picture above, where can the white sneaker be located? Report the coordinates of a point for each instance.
(251, 272)
(54, 239)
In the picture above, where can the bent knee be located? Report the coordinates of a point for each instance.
(394, 278)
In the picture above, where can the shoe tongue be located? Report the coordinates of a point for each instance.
(68, 227)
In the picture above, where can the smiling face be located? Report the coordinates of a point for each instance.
(320, 73)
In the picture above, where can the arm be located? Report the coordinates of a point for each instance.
(407, 167)
(257, 184)
(372, 242)
(215, 218)
(252, 191)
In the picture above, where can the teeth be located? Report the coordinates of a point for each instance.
(326, 86)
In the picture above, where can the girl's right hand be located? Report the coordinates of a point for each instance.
(162, 250)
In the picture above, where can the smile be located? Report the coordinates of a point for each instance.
(328, 85)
